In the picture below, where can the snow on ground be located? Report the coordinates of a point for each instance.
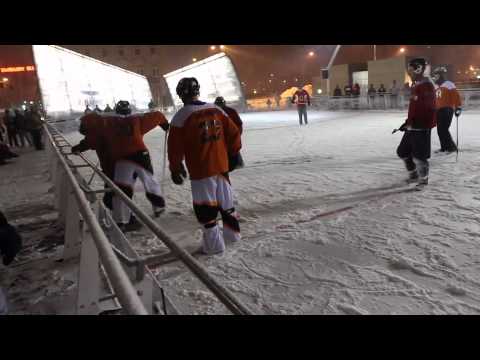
(382, 252)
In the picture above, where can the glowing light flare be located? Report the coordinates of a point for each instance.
(402, 50)
(311, 54)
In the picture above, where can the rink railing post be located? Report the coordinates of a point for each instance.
(73, 241)
(89, 280)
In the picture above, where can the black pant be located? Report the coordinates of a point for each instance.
(415, 150)
(37, 138)
(302, 112)
(12, 138)
(444, 120)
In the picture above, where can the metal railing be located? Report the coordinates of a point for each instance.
(70, 197)
(121, 247)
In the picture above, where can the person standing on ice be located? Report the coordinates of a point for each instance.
(206, 138)
(448, 103)
(415, 146)
(302, 98)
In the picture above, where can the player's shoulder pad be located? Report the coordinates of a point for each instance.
(184, 113)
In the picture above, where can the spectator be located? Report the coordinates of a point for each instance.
(356, 90)
(348, 90)
(406, 92)
(3, 129)
(108, 109)
(97, 109)
(87, 110)
(269, 103)
(371, 95)
(21, 129)
(151, 105)
(9, 120)
(337, 91)
(33, 123)
(394, 91)
(277, 100)
(381, 94)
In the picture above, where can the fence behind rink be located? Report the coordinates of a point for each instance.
(105, 252)
(386, 102)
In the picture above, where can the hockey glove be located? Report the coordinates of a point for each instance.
(458, 112)
(403, 127)
(165, 126)
(235, 162)
(76, 149)
(177, 177)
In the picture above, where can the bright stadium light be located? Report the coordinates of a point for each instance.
(222, 47)
(213, 47)
(311, 53)
(319, 91)
(194, 59)
(402, 50)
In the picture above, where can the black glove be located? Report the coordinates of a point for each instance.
(458, 112)
(403, 127)
(177, 177)
(235, 162)
(76, 149)
(165, 126)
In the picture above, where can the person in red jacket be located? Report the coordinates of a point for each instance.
(302, 98)
(205, 137)
(415, 146)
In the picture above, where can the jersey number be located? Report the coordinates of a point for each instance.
(210, 131)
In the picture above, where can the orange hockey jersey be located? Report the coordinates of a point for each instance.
(126, 132)
(120, 135)
(205, 136)
(448, 96)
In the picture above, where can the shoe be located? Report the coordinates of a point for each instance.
(157, 211)
(422, 183)
(412, 177)
(439, 151)
(133, 225)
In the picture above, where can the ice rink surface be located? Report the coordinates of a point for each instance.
(325, 230)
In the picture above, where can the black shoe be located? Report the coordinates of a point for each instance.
(439, 151)
(412, 177)
(133, 225)
(157, 211)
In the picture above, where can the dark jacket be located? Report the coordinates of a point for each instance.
(10, 241)
(421, 110)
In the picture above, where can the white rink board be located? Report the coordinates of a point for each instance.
(69, 81)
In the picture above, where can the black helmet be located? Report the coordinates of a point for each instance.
(123, 108)
(188, 88)
(418, 64)
(220, 101)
